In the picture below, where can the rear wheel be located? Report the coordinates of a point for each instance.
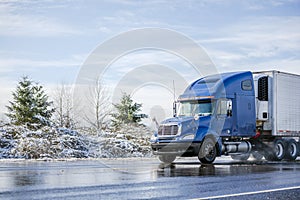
(167, 158)
(277, 152)
(208, 151)
(291, 150)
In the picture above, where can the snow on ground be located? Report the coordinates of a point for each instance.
(60, 143)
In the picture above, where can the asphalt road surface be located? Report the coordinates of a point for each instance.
(147, 178)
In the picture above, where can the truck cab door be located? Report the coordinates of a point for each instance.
(223, 121)
(245, 115)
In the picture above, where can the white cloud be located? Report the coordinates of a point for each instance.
(129, 62)
(14, 22)
(285, 65)
(13, 64)
(265, 42)
(261, 31)
(36, 63)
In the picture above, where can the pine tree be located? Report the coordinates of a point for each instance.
(127, 111)
(30, 104)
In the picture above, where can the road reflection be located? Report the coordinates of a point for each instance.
(26, 178)
(173, 170)
(86, 173)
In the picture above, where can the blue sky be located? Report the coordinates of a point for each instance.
(50, 40)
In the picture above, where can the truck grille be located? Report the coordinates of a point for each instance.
(168, 130)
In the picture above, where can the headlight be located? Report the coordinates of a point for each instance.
(188, 137)
(153, 138)
(179, 129)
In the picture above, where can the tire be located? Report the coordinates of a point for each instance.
(167, 158)
(241, 157)
(277, 152)
(291, 150)
(257, 156)
(208, 151)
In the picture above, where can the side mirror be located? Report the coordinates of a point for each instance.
(174, 109)
(229, 113)
(229, 108)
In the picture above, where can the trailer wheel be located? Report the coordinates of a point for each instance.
(208, 151)
(277, 152)
(291, 150)
(167, 158)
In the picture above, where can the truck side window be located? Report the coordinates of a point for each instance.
(247, 85)
(225, 107)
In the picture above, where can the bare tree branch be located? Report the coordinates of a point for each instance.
(65, 114)
(97, 114)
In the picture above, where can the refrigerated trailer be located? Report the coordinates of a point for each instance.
(237, 114)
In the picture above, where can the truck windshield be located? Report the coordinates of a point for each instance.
(191, 108)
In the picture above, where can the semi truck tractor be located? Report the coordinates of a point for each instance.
(240, 114)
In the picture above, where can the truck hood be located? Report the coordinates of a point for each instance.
(189, 124)
(177, 120)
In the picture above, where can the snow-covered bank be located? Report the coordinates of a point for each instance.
(58, 143)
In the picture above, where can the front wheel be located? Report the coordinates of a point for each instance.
(208, 151)
(167, 158)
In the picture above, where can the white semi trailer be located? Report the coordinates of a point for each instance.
(278, 113)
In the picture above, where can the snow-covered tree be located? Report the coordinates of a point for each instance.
(30, 104)
(127, 111)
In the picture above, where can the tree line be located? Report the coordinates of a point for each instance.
(31, 106)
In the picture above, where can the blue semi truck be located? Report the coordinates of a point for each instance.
(238, 114)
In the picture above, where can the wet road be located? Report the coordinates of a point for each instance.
(148, 179)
